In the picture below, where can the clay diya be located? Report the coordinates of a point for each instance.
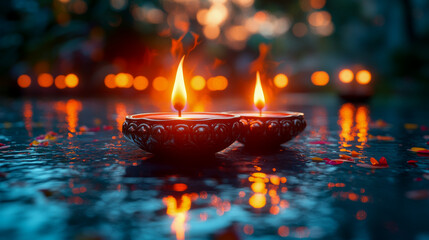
(267, 130)
(182, 134)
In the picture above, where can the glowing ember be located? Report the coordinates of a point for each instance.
(178, 97)
(258, 97)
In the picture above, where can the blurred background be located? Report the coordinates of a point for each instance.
(132, 48)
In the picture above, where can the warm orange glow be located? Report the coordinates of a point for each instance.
(283, 231)
(319, 19)
(109, 81)
(123, 80)
(198, 83)
(71, 80)
(363, 77)
(258, 187)
(73, 107)
(178, 96)
(218, 83)
(60, 82)
(317, 4)
(45, 80)
(258, 96)
(180, 187)
(362, 120)
(160, 83)
(28, 117)
(346, 76)
(24, 81)
(345, 121)
(121, 113)
(179, 213)
(257, 200)
(281, 80)
(140, 83)
(211, 31)
(320, 78)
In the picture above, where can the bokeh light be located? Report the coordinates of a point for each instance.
(140, 83)
(299, 30)
(317, 4)
(218, 83)
(124, 80)
(363, 77)
(281, 80)
(160, 83)
(71, 80)
(109, 81)
(24, 81)
(60, 82)
(198, 83)
(320, 78)
(45, 80)
(346, 76)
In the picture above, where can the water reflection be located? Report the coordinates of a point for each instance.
(121, 113)
(28, 117)
(353, 123)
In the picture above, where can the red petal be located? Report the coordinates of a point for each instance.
(412, 162)
(383, 161)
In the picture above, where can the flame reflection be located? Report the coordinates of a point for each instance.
(73, 107)
(121, 113)
(28, 117)
(179, 213)
(354, 123)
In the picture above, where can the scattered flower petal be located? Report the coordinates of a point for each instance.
(333, 162)
(381, 138)
(383, 161)
(412, 161)
(4, 146)
(355, 154)
(344, 156)
(317, 159)
(423, 152)
(374, 161)
(366, 165)
(416, 149)
(107, 127)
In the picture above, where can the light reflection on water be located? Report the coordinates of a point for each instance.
(97, 184)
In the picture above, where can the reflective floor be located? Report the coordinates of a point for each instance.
(85, 181)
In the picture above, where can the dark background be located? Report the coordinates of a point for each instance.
(95, 38)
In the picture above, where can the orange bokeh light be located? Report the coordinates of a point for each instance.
(160, 83)
(257, 200)
(320, 78)
(211, 31)
(363, 77)
(198, 83)
(24, 81)
(319, 19)
(281, 80)
(317, 4)
(109, 81)
(140, 83)
(124, 80)
(218, 83)
(346, 76)
(45, 80)
(60, 82)
(71, 80)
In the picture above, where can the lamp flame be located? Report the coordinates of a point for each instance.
(178, 97)
(258, 96)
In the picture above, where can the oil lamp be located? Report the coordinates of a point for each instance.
(264, 130)
(182, 134)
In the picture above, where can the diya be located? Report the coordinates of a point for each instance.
(265, 130)
(182, 134)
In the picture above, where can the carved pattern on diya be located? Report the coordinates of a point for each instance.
(196, 137)
(266, 132)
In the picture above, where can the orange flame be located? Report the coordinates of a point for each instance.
(178, 97)
(258, 96)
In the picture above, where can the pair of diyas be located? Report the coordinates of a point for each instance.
(205, 133)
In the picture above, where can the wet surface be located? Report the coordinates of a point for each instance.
(88, 181)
